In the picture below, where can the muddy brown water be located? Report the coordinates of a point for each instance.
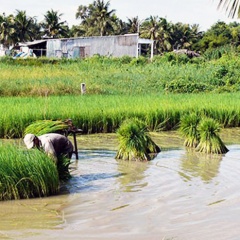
(179, 195)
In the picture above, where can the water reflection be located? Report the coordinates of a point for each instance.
(85, 182)
(90, 171)
(205, 166)
(132, 173)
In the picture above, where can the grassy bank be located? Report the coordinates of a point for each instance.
(105, 113)
(113, 76)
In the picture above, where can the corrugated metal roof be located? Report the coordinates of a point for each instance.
(27, 44)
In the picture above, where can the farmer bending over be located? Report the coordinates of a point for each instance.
(55, 145)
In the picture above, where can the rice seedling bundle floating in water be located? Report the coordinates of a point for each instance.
(135, 142)
(210, 141)
(188, 129)
(26, 174)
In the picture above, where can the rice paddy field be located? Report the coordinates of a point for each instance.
(158, 92)
(181, 194)
(104, 113)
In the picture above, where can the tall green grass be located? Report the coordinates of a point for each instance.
(105, 75)
(102, 114)
(26, 174)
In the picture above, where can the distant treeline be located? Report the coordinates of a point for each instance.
(97, 19)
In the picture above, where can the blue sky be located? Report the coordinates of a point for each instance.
(202, 12)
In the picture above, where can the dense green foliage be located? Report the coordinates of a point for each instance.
(169, 73)
(98, 19)
(26, 174)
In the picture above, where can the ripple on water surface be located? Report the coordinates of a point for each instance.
(180, 194)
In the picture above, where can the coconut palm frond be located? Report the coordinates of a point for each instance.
(231, 7)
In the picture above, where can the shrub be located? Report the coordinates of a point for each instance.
(139, 61)
(183, 86)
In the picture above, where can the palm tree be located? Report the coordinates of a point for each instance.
(97, 18)
(121, 27)
(24, 26)
(133, 25)
(164, 36)
(231, 7)
(184, 35)
(149, 29)
(102, 16)
(159, 30)
(6, 30)
(53, 26)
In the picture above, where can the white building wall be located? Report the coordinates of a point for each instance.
(116, 46)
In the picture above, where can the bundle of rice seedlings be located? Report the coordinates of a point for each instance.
(46, 126)
(210, 142)
(26, 174)
(135, 142)
(188, 129)
(63, 167)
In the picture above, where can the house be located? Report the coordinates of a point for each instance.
(81, 47)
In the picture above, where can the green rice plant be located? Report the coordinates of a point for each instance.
(105, 113)
(46, 126)
(210, 141)
(26, 174)
(188, 129)
(135, 142)
(63, 167)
